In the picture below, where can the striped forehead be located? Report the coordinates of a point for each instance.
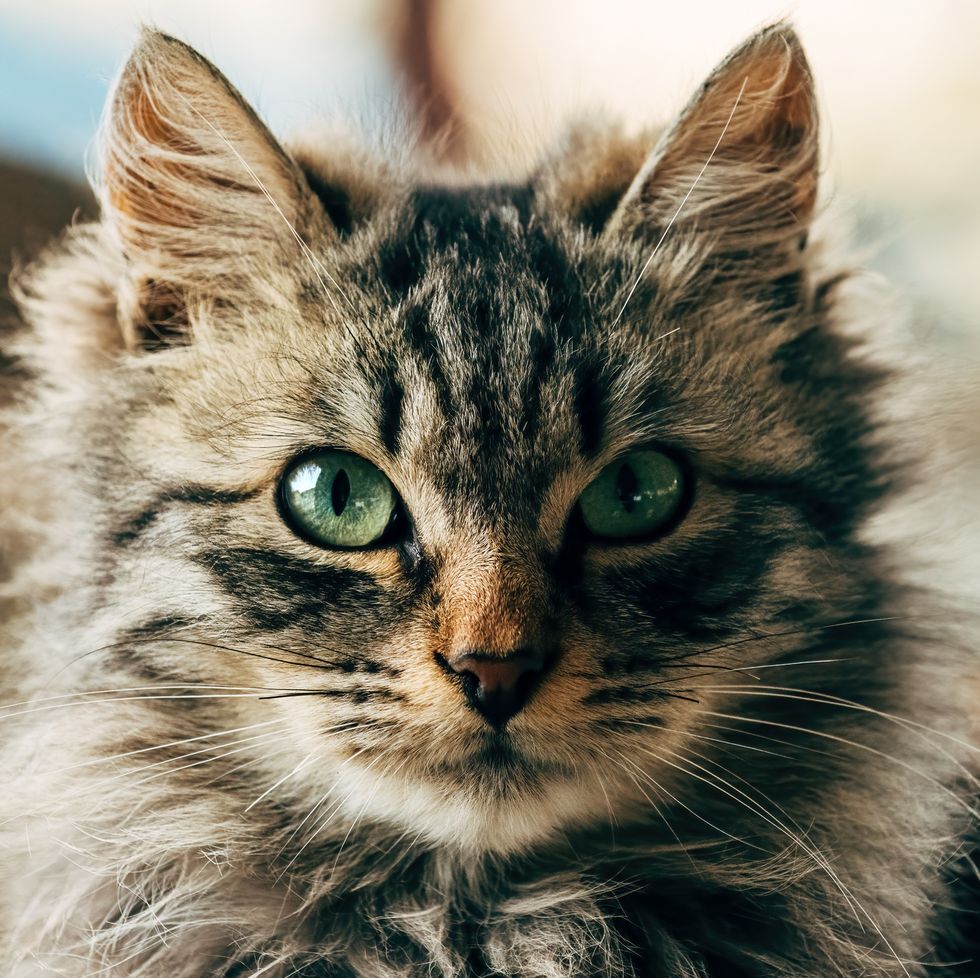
(491, 314)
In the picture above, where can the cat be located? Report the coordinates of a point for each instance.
(416, 576)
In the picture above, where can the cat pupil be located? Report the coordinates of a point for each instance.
(626, 488)
(340, 492)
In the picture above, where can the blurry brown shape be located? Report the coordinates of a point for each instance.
(34, 206)
(419, 57)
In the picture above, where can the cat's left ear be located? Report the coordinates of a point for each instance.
(741, 159)
(196, 188)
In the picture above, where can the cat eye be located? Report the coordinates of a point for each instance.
(338, 499)
(634, 497)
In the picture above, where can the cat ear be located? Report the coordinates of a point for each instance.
(194, 185)
(741, 159)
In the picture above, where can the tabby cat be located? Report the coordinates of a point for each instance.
(439, 577)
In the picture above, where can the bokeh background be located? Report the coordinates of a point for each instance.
(899, 83)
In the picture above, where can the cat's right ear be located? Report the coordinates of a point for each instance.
(739, 163)
(195, 187)
(742, 158)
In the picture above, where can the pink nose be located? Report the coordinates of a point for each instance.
(499, 687)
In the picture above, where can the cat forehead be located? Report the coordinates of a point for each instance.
(490, 249)
(467, 339)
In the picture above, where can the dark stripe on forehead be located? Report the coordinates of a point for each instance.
(439, 218)
(541, 360)
(590, 407)
(425, 345)
(451, 214)
(391, 397)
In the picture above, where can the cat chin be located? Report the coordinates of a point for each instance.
(477, 816)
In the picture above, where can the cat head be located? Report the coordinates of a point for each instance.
(484, 489)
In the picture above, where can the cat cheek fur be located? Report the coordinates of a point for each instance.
(242, 754)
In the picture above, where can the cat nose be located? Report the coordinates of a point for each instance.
(498, 687)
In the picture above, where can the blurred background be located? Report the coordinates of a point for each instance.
(899, 82)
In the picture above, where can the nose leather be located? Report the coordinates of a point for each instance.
(498, 687)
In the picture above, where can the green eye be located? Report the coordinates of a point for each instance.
(336, 499)
(633, 497)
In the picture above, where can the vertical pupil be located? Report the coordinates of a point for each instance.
(626, 488)
(340, 492)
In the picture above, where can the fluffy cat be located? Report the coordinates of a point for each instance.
(466, 579)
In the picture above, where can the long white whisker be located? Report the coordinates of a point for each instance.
(660, 814)
(252, 762)
(920, 730)
(720, 785)
(334, 809)
(733, 792)
(680, 207)
(139, 689)
(712, 740)
(268, 791)
(317, 804)
(98, 761)
(833, 699)
(253, 741)
(835, 738)
(360, 814)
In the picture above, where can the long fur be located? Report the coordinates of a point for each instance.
(230, 753)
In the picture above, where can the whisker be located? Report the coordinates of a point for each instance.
(832, 699)
(818, 857)
(787, 633)
(680, 207)
(758, 791)
(316, 663)
(98, 761)
(268, 791)
(659, 787)
(742, 669)
(316, 805)
(656, 808)
(594, 771)
(713, 740)
(135, 689)
(252, 762)
(130, 699)
(253, 741)
(836, 738)
(357, 818)
(96, 787)
(334, 809)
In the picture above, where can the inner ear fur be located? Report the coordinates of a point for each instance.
(742, 157)
(193, 184)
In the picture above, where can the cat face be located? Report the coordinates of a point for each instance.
(489, 663)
